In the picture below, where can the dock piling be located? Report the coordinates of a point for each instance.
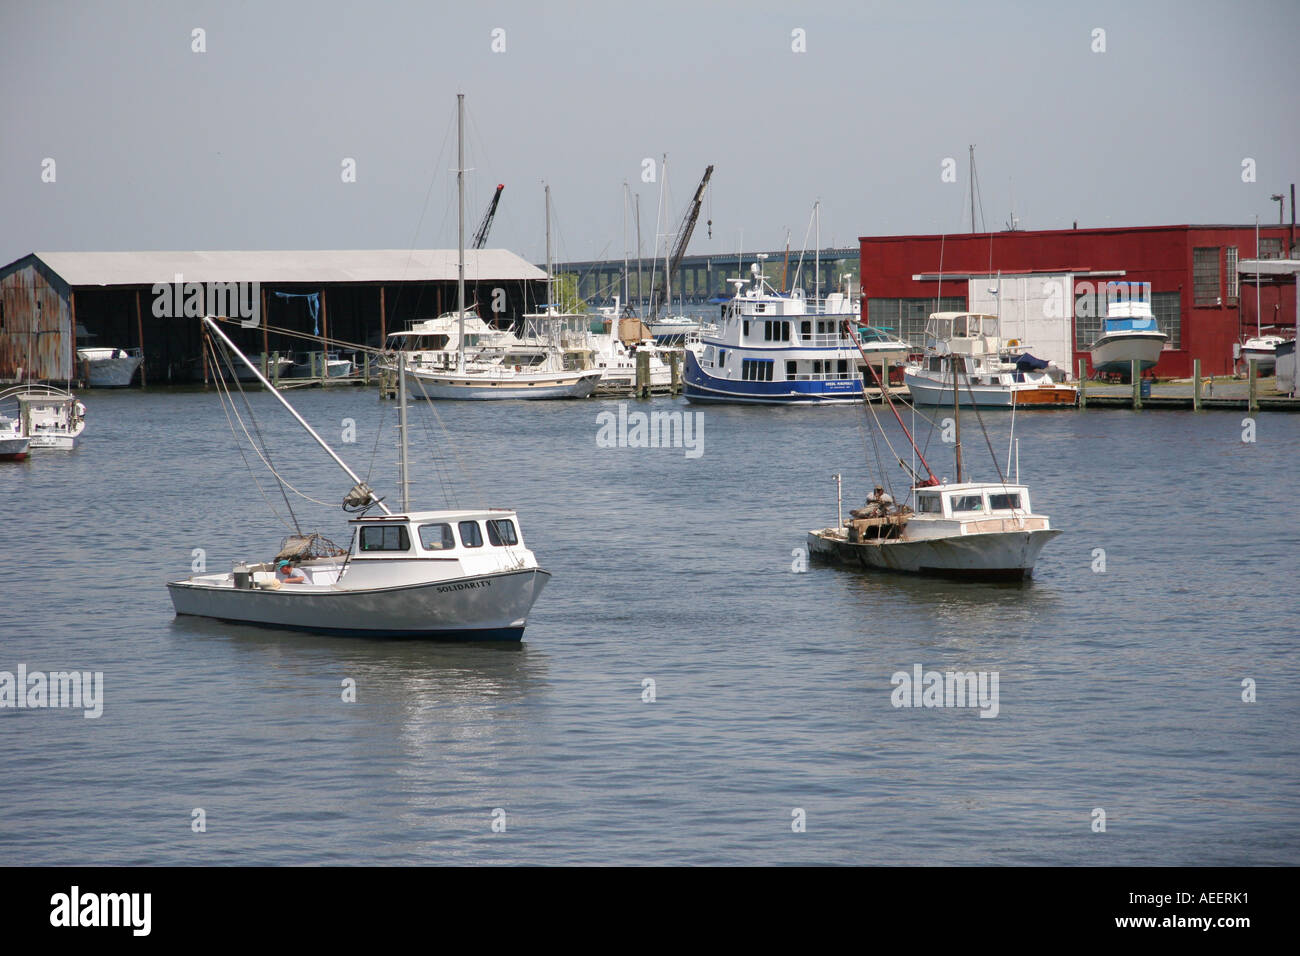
(642, 374)
(675, 371)
(1252, 401)
(1083, 381)
(1136, 374)
(1196, 385)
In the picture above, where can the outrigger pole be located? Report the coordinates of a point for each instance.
(211, 323)
(884, 390)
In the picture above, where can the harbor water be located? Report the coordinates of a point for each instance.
(686, 692)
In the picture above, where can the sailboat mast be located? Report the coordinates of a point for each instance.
(1259, 309)
(626, 280)
(401, 424)
(956, 414)
(639, 301)
(550, 302)
(460, 267)
(972, 188)
(211, 323)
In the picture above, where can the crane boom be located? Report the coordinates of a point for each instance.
(481, 234)
(684, 231)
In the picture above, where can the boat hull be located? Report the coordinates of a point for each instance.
(53, 442)
(991, 556)
(1116, 352)
(699, 386)
(926, 391)
(14, 449)
(111, 372)
(1265, 359)
(485, 607)
(575, 385)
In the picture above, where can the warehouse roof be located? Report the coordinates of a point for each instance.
(311, 266)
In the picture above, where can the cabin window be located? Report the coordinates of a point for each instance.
(722, 356)
(470, 535)
(436, 537)
(843, 367)
(791, 370)
(756, 370)
(392, 537)
(502, 532)
(929, 505)
(967, 503)
(747, 328)
(776, 331)
(805, 329)
(1008, 501)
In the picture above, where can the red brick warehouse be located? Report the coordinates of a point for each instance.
(1196, 295)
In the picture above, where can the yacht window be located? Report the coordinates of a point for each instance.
(436, 537)
(1001, 502)
(747, 328)
(805, 329)
(391, 537)
(470, 535)
(967, 503)
(502, 532)
(791, 369)
(843, 366)
(928, 505)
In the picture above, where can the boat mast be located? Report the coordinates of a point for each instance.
(817, 261)
(401, 424)
(550, 304)
(639, 301)
(460, 267)
(956, 413)
(1259, 308)
(972, 188)
(211, 323)
(627, 291)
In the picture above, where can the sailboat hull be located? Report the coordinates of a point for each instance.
(993, 556)
(487, 607)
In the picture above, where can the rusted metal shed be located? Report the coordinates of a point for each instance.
(37, 335)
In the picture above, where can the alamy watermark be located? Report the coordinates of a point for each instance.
(923, 688)
(234, 300)
(668, 429)
(37, 690)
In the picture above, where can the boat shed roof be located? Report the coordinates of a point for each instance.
(310, 266)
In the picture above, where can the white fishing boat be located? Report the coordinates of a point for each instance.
(462, 574)
(276, 367)
(49, 417)
(108, 367)
(14, 445)
(309, 364)
(966, 529)
(1129, 333)
(990, 376)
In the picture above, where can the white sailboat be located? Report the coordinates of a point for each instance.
(963, 529)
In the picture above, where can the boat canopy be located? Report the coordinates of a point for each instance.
(1030, 363)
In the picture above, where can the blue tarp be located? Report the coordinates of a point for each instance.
(313, 306)
(1028, 363)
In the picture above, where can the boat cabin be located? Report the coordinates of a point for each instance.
(963, 333)
(435, 534)
(967, 501)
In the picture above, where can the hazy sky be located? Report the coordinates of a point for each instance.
(242, 146)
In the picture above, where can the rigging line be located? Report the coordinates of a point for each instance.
(799, 267)
(450, 442)
(266, 457)
(223, 397)
(979, 418)
(415, 238)
(439, 467)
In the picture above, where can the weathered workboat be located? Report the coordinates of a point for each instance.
(49, 417)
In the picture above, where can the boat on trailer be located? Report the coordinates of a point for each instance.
(1129, 333)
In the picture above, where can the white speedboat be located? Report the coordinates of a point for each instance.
(988, 377)
(985, 530)
(1263, 349)
(14, 445)
(672, 329)
(453, 574)
(1129, 333)
(307, 364)
(49, 417)
(108, 367)
(276, 367)
(776, 349)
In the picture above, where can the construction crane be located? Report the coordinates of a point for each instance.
(684, 231)
(481, 234)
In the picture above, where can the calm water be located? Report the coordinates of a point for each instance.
(1119, 690)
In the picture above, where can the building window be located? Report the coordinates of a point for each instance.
(1165, 306)
(1205, 276)
(1230, 266)
(1270, 248)
(906, 318)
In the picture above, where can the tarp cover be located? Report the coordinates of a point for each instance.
(1027, 363)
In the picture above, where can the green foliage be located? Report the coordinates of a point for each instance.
(564, 293)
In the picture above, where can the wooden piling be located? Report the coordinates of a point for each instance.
(675, 371)
(1136, 373)
(1196, 385)
(1083, 381)
(642, 374)
(139, 332)
(275, 368)
(1252, 376)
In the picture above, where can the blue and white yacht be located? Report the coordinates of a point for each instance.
(779, 349)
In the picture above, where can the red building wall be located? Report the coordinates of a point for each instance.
(1161, 255)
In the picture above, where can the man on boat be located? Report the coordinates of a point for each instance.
(877, 505)
(288, 574)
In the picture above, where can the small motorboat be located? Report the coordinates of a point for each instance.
(1129, 333)
(108, 367)
(48, 417)
(1263, 349)
(14, 445)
